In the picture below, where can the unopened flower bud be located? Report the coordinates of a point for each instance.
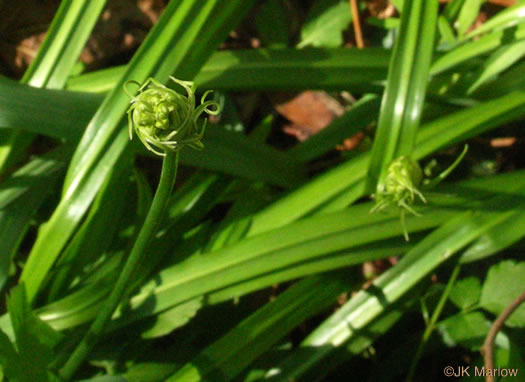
(166, 120)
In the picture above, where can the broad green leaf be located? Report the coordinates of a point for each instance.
(325, 23)
(503, 285)
(465, 292)
(464, 329)
(54, 113)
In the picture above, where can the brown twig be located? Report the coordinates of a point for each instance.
(488, 346)
(503, 3)
(357, 25)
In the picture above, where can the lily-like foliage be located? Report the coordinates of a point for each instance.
(401, 185)
(166, 120)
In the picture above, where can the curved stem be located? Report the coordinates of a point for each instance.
(488, 346)
(154, 217)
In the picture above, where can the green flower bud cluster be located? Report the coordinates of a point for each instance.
(166, 120)
(400, 185)
(403, 177)
(400, 188)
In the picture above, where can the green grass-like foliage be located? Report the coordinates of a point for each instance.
(251, 267)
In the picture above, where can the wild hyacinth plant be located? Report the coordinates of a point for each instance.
(165, 121)
(250, 215)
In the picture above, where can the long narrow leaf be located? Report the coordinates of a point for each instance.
(365, 306)
(54, 61)
(233, 352)
(406, 87)
(344, 184)
(170, 42)
(29, 108)
(20, 196)
(272, 69)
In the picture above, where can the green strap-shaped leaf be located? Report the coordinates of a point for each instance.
(467, 15)
(35, 340)
(344, 184)
(507, 18)
(174, 46)
(54, 61)
(248, 266)
(30, 108)
(228, 356)
(20, 196)
(406, 87)
(272, 69)
(471, 49)
(367, 305)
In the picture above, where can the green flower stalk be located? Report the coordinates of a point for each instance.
(164, 121)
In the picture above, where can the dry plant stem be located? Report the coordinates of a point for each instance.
(357, 25)
(504, 3)
(488, 346)
(154, 217)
